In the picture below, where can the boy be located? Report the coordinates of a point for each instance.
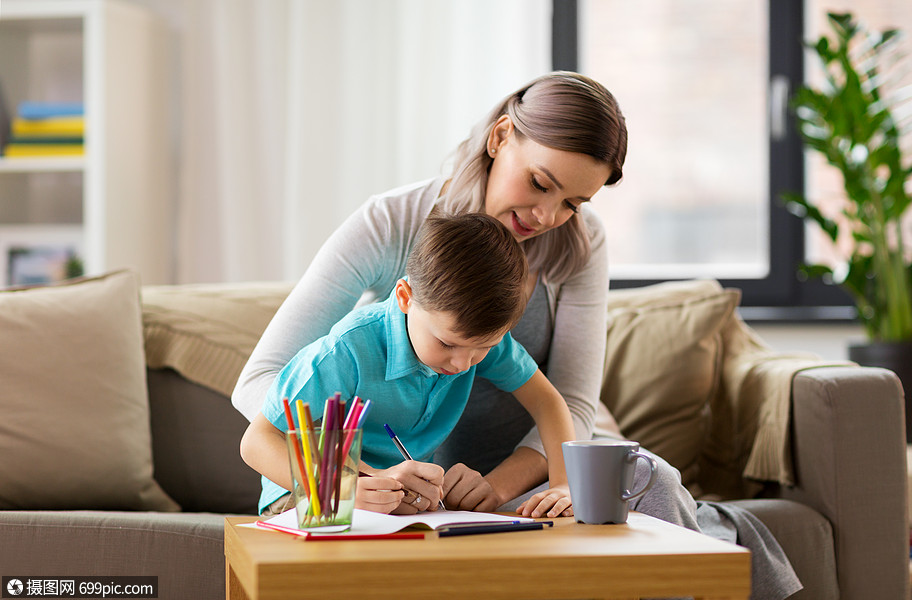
(415, 357)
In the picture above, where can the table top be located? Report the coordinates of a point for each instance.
(644, 557)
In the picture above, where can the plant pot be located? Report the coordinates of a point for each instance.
(896, 356)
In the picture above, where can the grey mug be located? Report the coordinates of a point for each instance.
(600, 474)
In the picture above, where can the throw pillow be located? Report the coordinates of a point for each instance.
(75, 428)
(663, 364)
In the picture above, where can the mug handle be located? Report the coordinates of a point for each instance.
(653, 469)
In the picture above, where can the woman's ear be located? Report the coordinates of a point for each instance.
(403, 295)
(502, 130)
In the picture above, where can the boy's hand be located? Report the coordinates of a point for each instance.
(553, 502)
(466, 489)
(422, 484)
(378, 494)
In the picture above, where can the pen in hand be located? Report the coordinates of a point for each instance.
(405, 453)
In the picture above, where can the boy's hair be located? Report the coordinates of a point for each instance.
(472, 267)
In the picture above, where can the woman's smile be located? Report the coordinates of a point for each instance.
(521, 229)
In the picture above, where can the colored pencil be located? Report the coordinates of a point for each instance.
(309, 427)
(302, 478)
(353, 410)
(305, 442)
(362, 417)
(340, 458)
(326, 445)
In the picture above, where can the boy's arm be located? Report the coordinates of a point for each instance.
(552, 417)
(326, 364)
(264, 449)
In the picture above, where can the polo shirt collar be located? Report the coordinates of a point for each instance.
(401, 359)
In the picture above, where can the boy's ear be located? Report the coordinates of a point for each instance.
(403, 295)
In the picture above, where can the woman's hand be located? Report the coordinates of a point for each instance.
(553, 502)
(466, 489)
(420, 489)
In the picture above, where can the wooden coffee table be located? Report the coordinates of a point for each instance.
(645, 557)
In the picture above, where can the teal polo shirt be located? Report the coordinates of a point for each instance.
(368, 354)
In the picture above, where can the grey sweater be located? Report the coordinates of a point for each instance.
(361, 262)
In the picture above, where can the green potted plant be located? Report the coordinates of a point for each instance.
(852, 121)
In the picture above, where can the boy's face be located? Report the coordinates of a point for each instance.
(435, 340)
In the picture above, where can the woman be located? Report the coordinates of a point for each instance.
(533, 163)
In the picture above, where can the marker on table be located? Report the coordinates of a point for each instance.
(472, 529)
(405, 453)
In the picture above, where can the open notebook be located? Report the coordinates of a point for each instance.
(368, 524)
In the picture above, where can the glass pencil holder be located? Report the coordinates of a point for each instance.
(324, 471)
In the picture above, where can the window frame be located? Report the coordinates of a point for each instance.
(781, 295)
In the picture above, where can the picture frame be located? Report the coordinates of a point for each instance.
(32, 255)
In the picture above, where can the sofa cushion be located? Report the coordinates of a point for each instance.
(184, 551)
(75, 427)
(662, 365)
(196, 440)
(206, 332)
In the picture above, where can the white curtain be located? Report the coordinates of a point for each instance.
(292, 112)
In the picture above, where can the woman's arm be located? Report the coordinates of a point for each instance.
(327, 292)
(520, 472)
(366, 253)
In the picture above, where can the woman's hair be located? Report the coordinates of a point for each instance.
(472, 267)
(561, 110)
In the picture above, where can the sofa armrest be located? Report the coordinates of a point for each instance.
(849, 451)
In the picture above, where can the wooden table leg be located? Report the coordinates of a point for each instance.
(233, 588)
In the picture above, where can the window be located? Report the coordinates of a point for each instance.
(705, 87)
(823, 181)
(691, 80)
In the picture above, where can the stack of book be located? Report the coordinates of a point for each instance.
(47, 129)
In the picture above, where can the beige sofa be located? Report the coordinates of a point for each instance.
(98, 386)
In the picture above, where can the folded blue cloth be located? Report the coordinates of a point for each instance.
(45, 110)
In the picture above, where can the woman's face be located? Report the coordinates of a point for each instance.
(533, 188)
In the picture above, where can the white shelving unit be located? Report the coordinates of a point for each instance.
(114, 203)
